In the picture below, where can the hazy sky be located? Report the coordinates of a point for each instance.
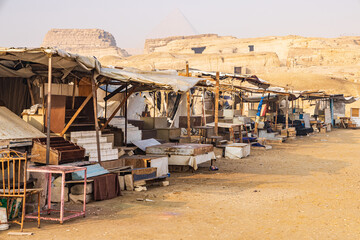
(25, 22)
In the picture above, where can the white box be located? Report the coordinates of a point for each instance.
(237, 150)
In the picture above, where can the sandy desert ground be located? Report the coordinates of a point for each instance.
(307, 188)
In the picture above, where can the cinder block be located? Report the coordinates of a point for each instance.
(56, 194)
(78, 189)
(129, 183)
(80, 198)
(122, 183)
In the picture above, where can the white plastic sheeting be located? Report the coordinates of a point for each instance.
(162, 79)
(192, 161)
(12, 127)
(60, 60)
(67, 62)
(136, 105)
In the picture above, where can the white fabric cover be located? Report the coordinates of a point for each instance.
(161, 164)
(237, 150)
(192, 161)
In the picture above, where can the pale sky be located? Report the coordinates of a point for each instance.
(24, 23)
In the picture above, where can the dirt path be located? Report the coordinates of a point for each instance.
(308, 188)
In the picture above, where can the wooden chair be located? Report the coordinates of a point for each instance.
(13, 167)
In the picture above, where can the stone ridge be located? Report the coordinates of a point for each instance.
(152, 43)
(95, 42)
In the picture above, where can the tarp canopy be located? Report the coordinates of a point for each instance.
(26, 63)
(166, 79)
(252, 79)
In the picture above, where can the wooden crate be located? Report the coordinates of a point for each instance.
(113, 164)
(61, 151)
(143, 173)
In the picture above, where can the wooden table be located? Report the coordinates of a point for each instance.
(203, 133)
(58, 169)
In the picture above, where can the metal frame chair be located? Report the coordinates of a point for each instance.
(13, 165)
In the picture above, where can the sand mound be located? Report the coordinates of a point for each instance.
(308, 81)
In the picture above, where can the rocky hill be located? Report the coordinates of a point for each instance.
(303, 63)
(90, 42)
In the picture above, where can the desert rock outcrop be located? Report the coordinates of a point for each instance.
(89, 42)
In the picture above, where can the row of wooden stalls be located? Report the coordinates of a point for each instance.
(131, 128)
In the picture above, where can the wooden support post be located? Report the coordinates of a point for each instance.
(242, 126)
(43, 105)
(73, 95)
(203, 108)
(241, 104)
(93, 87)
(31, 92)
(154, 112)
(276, 114)
(118, 108)
(107, 84)
(77, 113)
(188, 113)
(167, 103)
(217, 103)
(48, 111)
(188, 104)
(292, 113)
(287, 112)
(126, 120)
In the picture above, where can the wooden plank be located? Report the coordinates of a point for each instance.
(48, 111)
(203, 108)
(113, 164)
(287, 112)
(188, 128)
(149, 181)
(119, 89)
(77, 154)
(80, 181)
(70, 147)
(137, 163)
(73, 95)
(188, 103)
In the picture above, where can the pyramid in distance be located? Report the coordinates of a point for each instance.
(175, 24)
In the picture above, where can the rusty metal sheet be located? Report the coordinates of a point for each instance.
(188, 149)
(12, 127)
